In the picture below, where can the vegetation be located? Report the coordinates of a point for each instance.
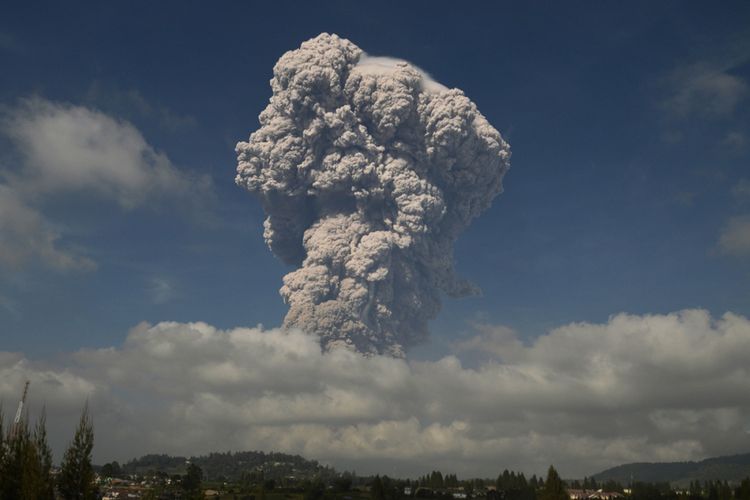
(247, 466)
(728, 468)
(26, 473)
(554, 487)
(26, 463)
(515, 486)
(76, 480)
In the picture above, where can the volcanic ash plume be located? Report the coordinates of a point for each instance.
(368, 170)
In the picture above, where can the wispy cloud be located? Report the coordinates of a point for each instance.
(741, 191)
(496, 341)
(10, 43)
(734, 141)
(734, 239)
(132, 104)
(26, 235)
(704, 89)
(10, 306)
(161, 290)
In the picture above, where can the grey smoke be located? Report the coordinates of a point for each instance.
(368, 170)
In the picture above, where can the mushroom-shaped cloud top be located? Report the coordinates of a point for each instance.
(368, 170)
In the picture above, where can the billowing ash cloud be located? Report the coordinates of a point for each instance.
(368, 170)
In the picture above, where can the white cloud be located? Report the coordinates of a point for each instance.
(735, 236)
(741, 190)
(705, 89)
(494, 340)
(72, 150)
(131, 103)
(584, 396)
(734, 141)
(25, 235)
(69, 148)
(387, 65)
(161, 290)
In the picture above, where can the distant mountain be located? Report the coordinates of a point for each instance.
(232, 466)
(732, 468)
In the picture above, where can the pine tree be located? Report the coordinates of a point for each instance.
(2, 453)
(45, 487)
(25, 462)
(377, 490)
(193, 478)
(30, 466)
(743, 491)
(554, 488)
(16, 449)
(76, 473)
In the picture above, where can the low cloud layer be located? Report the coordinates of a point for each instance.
(584, 396)
(64, 150)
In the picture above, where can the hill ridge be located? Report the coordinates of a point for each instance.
(731, 468)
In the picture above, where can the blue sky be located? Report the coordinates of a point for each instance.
(620, 185)
(629, 189)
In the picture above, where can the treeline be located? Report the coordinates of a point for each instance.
(609, 485)
(515, 486)
(711, 490)
(509, 485)
(26, 469)
(229, 466)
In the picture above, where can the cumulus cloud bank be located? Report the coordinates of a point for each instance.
(65, 149)
(368, 171)
(584, 396)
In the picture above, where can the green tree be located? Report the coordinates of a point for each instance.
(377, 491)
(25, 462)
(343, 484)
(191, 483)
(111, 469)
(76, 481)
(554, 488)
(612, 485)
(695, 491)
(743, 491)
(436, 479)
(13, 462)
(45, 488)
(725, 491)
(533, 482)
(315, 490)
(3, 454)
(20, 464)
(645, 491)
(713, 491)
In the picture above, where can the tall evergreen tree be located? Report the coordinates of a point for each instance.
(45, 487)
(554, 488)
(16, 449)
(31, 474)
(25, 462)
(2, 452)
(76, 473)
(193, 478)
(743, 491)
(377, 490)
